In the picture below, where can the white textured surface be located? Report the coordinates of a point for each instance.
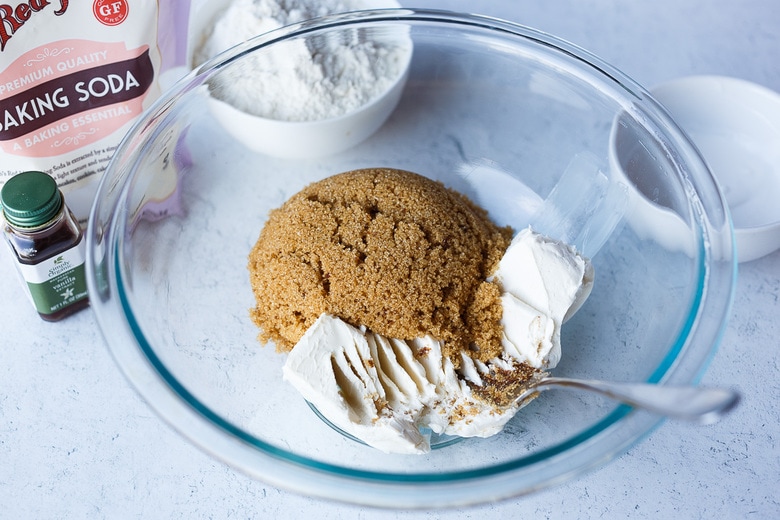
(77, 442)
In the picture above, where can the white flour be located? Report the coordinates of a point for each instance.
(301, 80)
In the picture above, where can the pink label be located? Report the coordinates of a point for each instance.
(70, 93)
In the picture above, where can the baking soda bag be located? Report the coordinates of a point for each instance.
(74, 76)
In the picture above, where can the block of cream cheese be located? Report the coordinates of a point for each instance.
(384, 390)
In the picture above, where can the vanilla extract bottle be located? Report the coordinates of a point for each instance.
(47, 243)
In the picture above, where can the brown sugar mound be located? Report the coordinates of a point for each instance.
(387, 249)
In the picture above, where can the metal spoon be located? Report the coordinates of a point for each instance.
(697, 404)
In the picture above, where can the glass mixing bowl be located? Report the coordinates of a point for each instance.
(535, 130)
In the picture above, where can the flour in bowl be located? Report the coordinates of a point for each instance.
(307, 79)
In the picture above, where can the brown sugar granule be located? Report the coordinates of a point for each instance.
(382, 248)
(501, 387)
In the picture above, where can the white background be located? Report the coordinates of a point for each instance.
(77, 442)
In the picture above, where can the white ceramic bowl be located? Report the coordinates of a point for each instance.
(311, 138)
(736, 126)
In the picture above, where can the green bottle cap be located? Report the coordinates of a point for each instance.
(30, 199)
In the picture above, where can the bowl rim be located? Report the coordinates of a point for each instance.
(623, 426)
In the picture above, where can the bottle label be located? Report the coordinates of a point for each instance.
(58, 281)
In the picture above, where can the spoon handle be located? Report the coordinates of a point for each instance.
(698, 404)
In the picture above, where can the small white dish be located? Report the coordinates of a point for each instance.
(735, 124)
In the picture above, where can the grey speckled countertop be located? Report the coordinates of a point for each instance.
(77, 442)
